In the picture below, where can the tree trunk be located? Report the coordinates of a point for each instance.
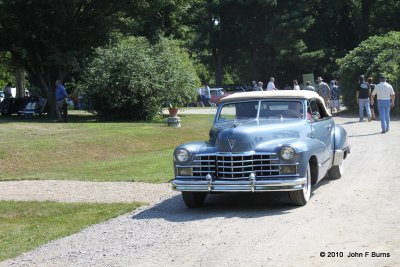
(20, 80)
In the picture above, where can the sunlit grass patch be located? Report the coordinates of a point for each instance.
(94, 151)
(26, 225)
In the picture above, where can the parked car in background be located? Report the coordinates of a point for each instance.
(263, 141)
(1, 96)
(216, 95)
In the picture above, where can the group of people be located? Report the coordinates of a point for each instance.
(365, 97)
(330, 93)
(258, 86)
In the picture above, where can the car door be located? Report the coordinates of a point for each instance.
(322, 127)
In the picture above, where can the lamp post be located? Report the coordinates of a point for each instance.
(215, 34)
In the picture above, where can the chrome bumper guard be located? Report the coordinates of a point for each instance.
(251, 185)
(339, 156)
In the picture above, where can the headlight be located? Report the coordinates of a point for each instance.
(182, 155)
(287, 153)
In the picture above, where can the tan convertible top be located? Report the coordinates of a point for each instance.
(303, 94)
(260, 95)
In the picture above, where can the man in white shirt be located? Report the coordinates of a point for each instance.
(386, 96)
(296, 85)
(271, 84)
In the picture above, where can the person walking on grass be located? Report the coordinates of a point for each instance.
(362, 97)
(386, 96)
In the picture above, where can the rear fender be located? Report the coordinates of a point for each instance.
(342, 146)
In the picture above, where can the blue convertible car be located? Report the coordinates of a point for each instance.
(263, 141)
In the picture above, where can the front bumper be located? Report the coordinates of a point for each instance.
(239, 186)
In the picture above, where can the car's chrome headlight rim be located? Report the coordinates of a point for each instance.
(287, 153)
(182, 155)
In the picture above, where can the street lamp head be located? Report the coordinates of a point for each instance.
(216, 21)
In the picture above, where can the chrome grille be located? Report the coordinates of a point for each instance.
(236, 166)
(204, 165)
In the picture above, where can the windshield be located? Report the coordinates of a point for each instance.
(271, 109)
(239, 111)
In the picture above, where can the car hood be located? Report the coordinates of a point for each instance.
(251, 135)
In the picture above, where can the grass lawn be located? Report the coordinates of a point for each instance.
(26, 225)
(84, 149)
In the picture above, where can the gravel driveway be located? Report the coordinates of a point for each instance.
(356, 214)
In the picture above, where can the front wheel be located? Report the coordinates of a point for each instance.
(194, 199)
(301, 197)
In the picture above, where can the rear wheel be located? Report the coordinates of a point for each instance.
(301, 197)
(194, 199)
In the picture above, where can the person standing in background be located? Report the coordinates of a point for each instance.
(323, 90)
(386, 96)
(259, 86)
(61, 104)
(199, 102)
(271, 84)
(296, 85)
(372, 106)
(335, 97)
(207, 95)
(362, 97)
(254, 85)
(7, 90)
(309, 87)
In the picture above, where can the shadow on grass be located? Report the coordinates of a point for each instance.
(84, 117)
(72, 118)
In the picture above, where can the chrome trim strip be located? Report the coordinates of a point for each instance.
(233, 154)
(246, 177)
(256, 165)
(239, 186)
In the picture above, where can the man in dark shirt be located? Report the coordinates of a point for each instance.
(362, 96)
(61, 104)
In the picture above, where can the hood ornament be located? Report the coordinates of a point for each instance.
(231, 143)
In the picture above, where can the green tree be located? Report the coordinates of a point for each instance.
(6, 72)
(377, 54)
(134, 79)
(266, 38)
(48, 38)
